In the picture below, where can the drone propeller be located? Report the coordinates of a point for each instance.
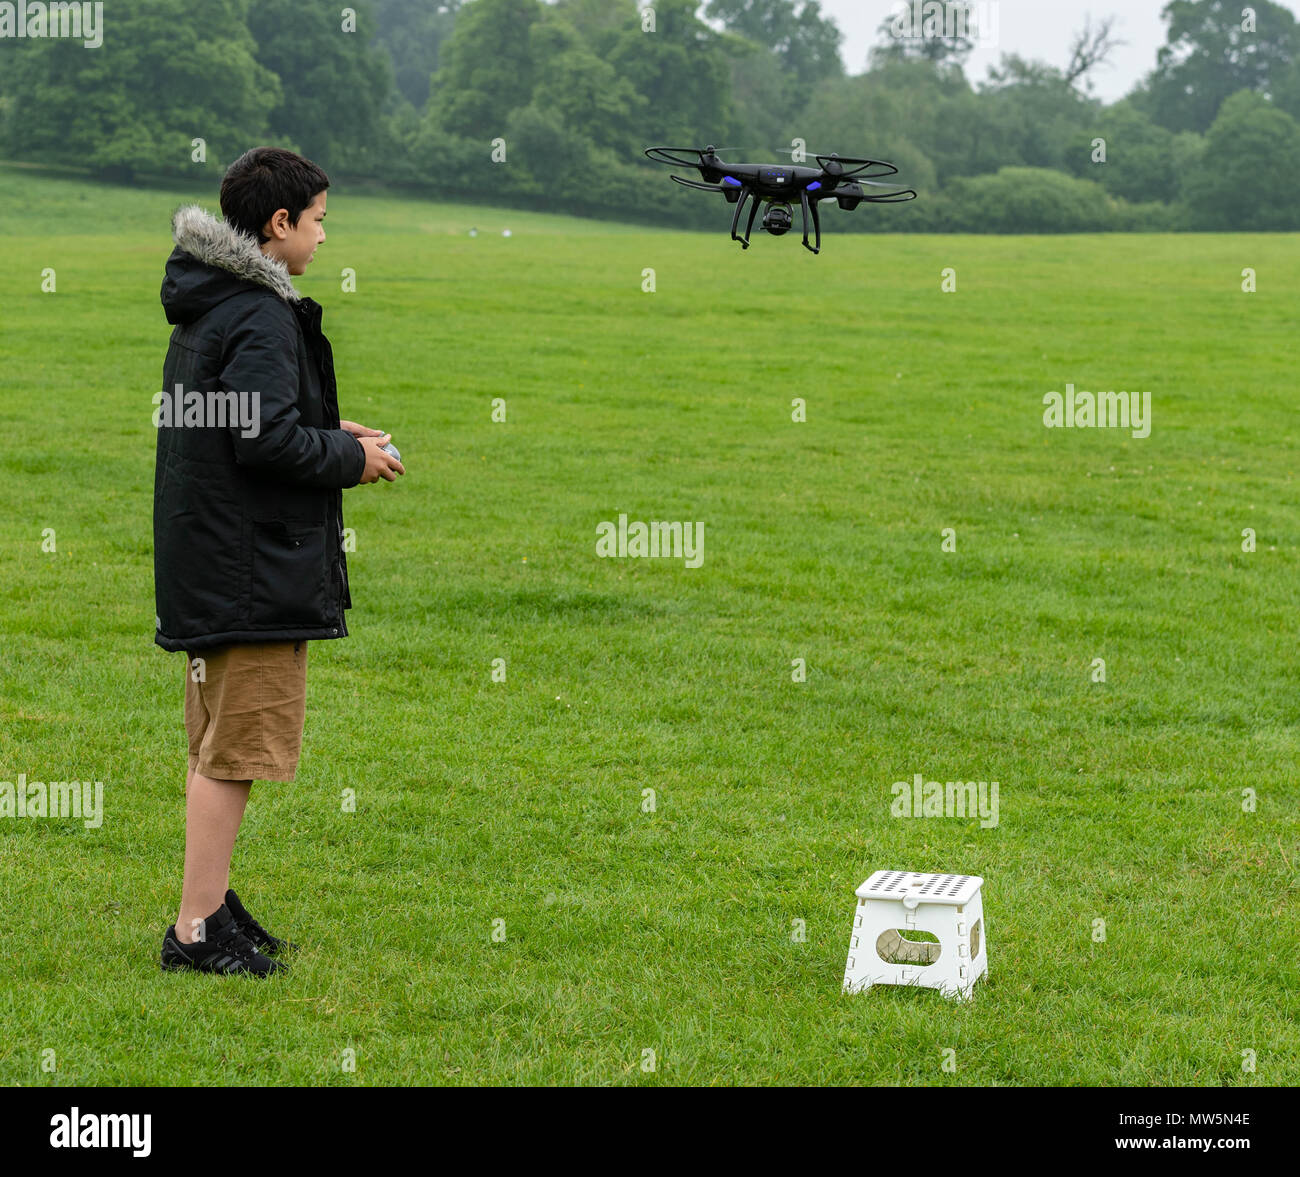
(842, 167)
(834, 165)
(673, 155)
(821, 156)
(900, 197)
(747, 154)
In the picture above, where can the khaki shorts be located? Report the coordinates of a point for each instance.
(245, 718)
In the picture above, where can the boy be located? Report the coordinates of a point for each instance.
(248, 524)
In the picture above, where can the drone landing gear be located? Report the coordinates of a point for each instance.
(745, 195)
(810, 215)
(816, 220)
(753, 212)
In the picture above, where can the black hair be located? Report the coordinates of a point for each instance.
(266, 179)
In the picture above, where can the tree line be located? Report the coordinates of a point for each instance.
(550, 105)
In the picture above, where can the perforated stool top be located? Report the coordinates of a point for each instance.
(920, 888)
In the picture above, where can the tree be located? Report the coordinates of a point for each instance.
(1250, 171)
(906, 112)
(1213, 51)
(487, 68)
(550, 160)
(1140, 164)
(1089, 48)
(171, 72)
(334, 83)
(681, 70)
(946, 35)
(412, 33)
(804, 43)
(584, 91)
(1030, 200)
(599, 22)
(1031, 113)
(766, 114)
(1286, 89)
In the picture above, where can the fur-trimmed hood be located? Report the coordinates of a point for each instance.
(226, 258)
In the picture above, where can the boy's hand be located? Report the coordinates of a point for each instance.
(378, 464)
(359, 430)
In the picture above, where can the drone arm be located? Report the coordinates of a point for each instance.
(697, 184)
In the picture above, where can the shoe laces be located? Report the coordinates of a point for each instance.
(256, 933)
(237, 944)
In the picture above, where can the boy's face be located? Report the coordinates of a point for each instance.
(295, 245)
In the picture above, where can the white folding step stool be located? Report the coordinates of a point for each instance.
(948, 906)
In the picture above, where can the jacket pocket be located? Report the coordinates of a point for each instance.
(288, 582)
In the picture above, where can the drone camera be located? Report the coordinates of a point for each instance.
(778, 219)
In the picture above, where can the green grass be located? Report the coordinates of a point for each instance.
(521, 801)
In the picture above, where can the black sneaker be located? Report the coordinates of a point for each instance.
(224, 949)
(262, 940)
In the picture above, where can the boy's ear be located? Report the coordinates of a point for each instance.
(277, 228)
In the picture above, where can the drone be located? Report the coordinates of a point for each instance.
(835, 178)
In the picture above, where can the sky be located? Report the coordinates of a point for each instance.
(1038, 29)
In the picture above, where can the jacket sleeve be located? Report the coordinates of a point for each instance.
(261, 356)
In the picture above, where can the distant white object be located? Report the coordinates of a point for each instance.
(505, 232)
(892, 903)
(473, 232)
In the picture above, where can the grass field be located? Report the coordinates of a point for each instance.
(674, 931)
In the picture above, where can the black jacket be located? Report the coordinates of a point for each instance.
(248, 530)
